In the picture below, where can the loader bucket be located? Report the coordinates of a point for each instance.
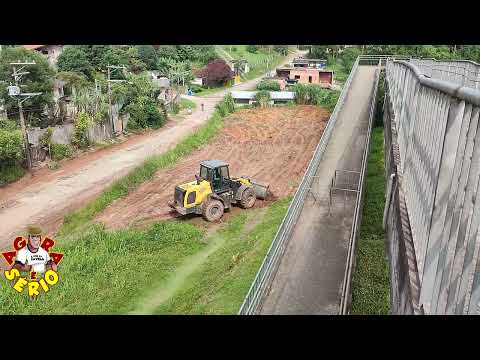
(261, 190)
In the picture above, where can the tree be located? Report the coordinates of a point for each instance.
(135, 63)
(136, 86)
(99, 56)
(144, 113)
(252, 48)
(348, 56)
(470, 52)
(185, 52)
(75, 59)
(167, 51)
(216, 73)
(205, 53)
(318, 51)
(39, 79)
(177, 72)
(281, 49)
(148, 55)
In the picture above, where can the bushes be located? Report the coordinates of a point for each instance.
(60, 151)
(379, 99)
(11, 146)
(80, 132)
(226, 106)
(262, 98)
(11, 155)
(175, 107)
(196, 88)
(302, 94)
(216, 73)
(10, 173)
(252, 49)
(315, 95)
(46, 138)
(144, 113)
(6, 124)
(348, 56)
(281, 49)
(268, 85)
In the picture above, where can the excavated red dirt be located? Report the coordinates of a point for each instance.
(271, 145)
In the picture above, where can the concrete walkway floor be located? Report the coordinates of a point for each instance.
(310, 276)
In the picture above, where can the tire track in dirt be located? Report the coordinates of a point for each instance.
(273, 145)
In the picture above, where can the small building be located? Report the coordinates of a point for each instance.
(306, 75)
(52, 52)
(197, 81)
(248, 97)
(159, 80)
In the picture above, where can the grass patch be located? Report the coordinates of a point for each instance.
(186, 103)
(257, 61)
(107, 272)
(371, 283)
(139, 175)
(210, 91)
(60, 151)
(9, 174)
(221, 283)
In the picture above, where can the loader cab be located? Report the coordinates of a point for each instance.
(217, 174)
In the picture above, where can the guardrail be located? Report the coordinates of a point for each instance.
(347, 279)
(271, 261)
(436, 123)
(462, 72)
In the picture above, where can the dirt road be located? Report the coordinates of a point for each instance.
(46, 199)
(273, 145)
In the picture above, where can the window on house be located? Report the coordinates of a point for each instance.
(45, 52)
(310, 79)
(297, 77)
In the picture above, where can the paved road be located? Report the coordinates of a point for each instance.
(310, 277)
(47, 202)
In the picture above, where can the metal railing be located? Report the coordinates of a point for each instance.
(347, 279)
(436, 124)
(461, 72)
(267, 270)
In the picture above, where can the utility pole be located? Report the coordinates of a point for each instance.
(15, 91)
(110, 93)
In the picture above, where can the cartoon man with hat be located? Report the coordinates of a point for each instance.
(33, 257)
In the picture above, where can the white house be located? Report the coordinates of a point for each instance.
(248, 97)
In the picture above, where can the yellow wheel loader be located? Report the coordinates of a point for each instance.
(213, 191)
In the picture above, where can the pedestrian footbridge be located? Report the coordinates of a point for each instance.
(431, 219)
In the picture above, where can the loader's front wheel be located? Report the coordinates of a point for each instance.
(248, 198)
(213, 210)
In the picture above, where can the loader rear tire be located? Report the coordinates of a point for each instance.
(213, 210)
(248, 198)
